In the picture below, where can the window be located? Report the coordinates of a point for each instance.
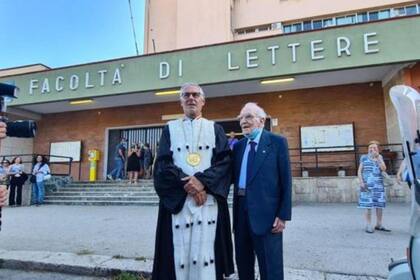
(263, 28)
(287, 28)
(346, 20)
(384, 14)
(373, 16)
(398, 12)
(317, 24)
(276, 25)
(307, 25)
(297, 27)
(411, 10)
(362, 17)
(328, 22)
(249, 30)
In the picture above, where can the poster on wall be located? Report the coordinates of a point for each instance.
(327, 138)
(67, 149)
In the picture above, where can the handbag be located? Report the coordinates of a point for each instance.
(32, 179)
(47, 177)
(388, 182)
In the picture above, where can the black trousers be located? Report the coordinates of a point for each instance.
(15, 196)
(268, 248)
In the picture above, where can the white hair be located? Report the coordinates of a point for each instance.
(257, 109)
(187, 85)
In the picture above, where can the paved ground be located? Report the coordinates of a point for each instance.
(321, 237)
(11, 274)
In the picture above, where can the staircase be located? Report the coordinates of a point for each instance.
(105, 193)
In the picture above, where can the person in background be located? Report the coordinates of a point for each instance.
(147, 161)
(403, 174)
(372, 190)
(4, 172)
(133, 164)
(17, 179)
(141, 160)
(120, 158)
(40, 169)
(3, 191)
(232, 140)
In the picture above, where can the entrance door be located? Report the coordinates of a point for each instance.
(143, 135)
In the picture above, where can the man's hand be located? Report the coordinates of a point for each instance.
(193, 185)
(200, 198)
(3, 127)
(3, 195)
(278, 225)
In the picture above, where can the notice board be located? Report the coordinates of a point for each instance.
(69, 149)
(327, 138)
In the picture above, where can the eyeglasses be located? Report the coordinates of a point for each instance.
(187, 95)
(247, 117)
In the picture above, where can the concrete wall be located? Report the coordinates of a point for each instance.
(340, 189)
(319, 106)
(175, 24)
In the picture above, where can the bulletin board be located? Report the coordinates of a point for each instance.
(69, 149)
(340, 137)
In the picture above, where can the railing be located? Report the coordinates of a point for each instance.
(328, 161)
(60, 166)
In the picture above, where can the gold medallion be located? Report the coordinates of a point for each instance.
(193, 159)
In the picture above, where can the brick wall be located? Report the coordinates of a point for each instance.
(362, 104)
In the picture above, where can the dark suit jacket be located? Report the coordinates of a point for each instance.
(269, 192)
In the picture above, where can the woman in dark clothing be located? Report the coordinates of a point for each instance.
(133, 164)
(17, 179)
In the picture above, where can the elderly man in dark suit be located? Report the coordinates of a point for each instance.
(262, 196)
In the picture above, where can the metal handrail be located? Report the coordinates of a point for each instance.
(341, 157)
(68, 162)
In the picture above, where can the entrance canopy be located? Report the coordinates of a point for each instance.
(337, 56)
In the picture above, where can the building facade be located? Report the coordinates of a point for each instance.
(327, 81)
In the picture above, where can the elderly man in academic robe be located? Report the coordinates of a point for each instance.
(192, 176)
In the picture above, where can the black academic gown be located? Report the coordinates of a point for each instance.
(170, 189)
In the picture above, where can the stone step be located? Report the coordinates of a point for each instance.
(105, 184)
(93, 189)
(102, 203)
(105, 193)
(106, 203)
(110, 181)
(70, 186)
(101, 193)
(102, 197)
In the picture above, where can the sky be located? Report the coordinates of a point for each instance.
(59, 33)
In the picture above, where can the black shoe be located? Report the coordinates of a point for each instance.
(381, 228)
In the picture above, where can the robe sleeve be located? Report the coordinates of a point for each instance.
(167, 176)
(217, 178)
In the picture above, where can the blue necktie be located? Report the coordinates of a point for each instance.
(251, 159)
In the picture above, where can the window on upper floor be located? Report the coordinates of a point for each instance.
(297, 27)
(384, 14)
(351, 19)
(317, 24)
(307, 25)
(362, 17)
(411, 10)
(373, 16)
(328, 22)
